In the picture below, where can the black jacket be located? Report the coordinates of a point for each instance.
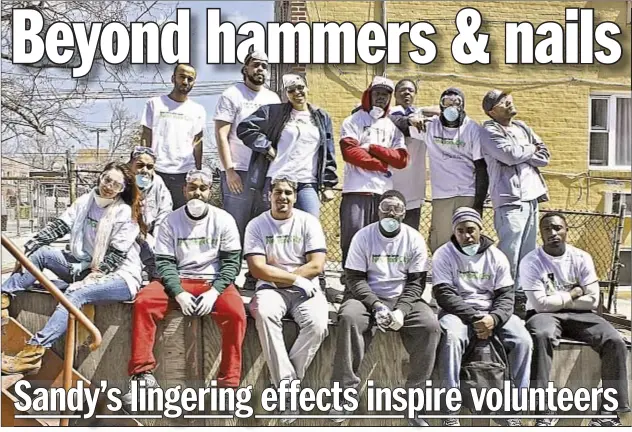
(263, 129)
(451, 302)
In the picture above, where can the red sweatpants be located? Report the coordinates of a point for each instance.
(152, 305)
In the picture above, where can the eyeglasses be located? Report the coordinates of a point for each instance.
(109, 182)
(205, 176)
(141, 165)
(395, 207)
(140, 150)
(506, 102)
(293, 89)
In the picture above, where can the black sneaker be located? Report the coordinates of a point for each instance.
(250, 283)
(606, 421)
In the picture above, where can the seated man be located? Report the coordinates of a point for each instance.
(198, 256)
(285, 249)
(562, 292)
(472, 284)
(386, 275)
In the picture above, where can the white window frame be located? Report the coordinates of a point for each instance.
(611, 97)
(609, 200)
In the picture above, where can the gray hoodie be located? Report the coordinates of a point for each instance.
(508, 161)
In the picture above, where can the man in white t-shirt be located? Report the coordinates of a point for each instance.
(473, 287)
(458, 174)
(371, 146)
(514, 153)
(562, 291)
(386, 275)
(286, 249)
(235, 104)
(173, 126)
(198, 256)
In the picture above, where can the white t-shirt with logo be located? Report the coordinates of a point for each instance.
(411, 181)
(451, 153)
(556, 276)
(297, 150)
(235, 104)
(531, 185)
(362, 127)
(387, 261)
(196, 244)
(284, 243)
(174, 126)
(476, 277)
(123, 237)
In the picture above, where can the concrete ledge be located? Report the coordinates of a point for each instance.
(188, 353)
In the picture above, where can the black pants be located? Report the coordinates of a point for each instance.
(546, 330)
(420, 335)
(413, 218)
(175, 183)
(356, 212)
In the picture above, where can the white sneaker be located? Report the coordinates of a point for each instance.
(150, 382)
(450, 422)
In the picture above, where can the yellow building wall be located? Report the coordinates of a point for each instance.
(554, 107)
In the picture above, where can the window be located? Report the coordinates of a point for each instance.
(614, 200)
(610, 131)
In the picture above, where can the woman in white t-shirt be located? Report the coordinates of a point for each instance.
(103, 264)
(156, 202)
(292, 140)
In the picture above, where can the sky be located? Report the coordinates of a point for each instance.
(237, 12)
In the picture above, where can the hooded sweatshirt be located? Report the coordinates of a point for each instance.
(369, 148)
(473, 286)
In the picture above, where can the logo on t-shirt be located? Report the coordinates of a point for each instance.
(199, 241)
(92, 222)
(449, 141)
(283, 239)
(473, 275)
(552, 286)
(389, 259)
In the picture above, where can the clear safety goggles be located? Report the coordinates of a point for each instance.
(111, 183)
(141, 150)
(204, 175)
(392, 206)
(451, 100)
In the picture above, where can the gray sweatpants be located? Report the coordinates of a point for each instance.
(356, 212)
(420, 334)
(269, 307)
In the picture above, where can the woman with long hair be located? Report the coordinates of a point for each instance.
(102, 266)
(156, 203)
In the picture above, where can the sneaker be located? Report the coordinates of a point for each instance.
(508, 422)
(419, 422)
(339, 415)
(606, 421)
(450, 422)
(150, 382)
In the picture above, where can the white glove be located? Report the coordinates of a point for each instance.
(398, 320)
(77, 268)
(306, 286)
(151, 241)
(206, 301)
(382, 315)
(186, 302)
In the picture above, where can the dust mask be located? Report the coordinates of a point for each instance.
(196, 207)
(376, 113)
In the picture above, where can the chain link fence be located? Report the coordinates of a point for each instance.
(592, 232)
(28, 204)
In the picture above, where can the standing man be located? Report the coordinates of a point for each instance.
(513, 153)
(458, 173)
(371, 146)
(562, 292)
(235, 104)
(286, 249)
(473, 286)
(173, 126)
(386, 276)
(198, 256)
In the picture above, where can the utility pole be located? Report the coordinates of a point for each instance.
(98, 131)
(72, 177)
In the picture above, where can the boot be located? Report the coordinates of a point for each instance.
(26, 362)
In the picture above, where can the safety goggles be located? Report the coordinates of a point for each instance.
(109, 182)
(141, 150)
(505, 102)
(204, 175)
(451, 100)
(392, 206)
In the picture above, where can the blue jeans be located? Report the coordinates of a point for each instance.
(242, 207)
(306, 197)
(457, 336)
(517, 229)
(109, 289)
(45, 257)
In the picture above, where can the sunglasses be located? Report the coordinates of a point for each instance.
(293, 89)
(141, 165)
(507, 102)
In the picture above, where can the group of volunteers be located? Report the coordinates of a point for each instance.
(278, 164)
